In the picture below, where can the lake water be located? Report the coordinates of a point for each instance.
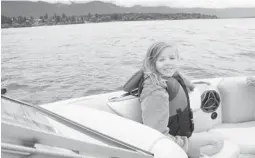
(51, 63)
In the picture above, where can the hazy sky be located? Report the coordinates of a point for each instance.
(176, 3)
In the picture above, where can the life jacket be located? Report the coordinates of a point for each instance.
(181, 116)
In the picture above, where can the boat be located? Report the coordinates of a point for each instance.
(109, 125)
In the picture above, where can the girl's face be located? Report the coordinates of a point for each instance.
(166, 62)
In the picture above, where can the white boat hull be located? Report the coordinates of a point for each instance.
(122, 121)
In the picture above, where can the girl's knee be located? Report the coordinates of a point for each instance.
(218, 145)
(218, 141)
(213, 148)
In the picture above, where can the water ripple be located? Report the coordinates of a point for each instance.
(47, 64)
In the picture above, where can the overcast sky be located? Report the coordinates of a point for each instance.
(176, 3)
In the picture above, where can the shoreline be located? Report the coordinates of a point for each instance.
(19, 22)
(104, 22)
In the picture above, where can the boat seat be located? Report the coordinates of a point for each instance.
(229, 150)
(129, 108)
(239, 133)
(238, 113)
(246, 156)
(238, 100)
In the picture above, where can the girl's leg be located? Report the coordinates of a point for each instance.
(204, 143)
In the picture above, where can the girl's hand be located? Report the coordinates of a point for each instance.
(191, 87)
(183, 142)
(179, 141)
(187, 82)
(250, 81)
(185, 146)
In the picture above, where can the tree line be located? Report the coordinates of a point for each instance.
(64, 19)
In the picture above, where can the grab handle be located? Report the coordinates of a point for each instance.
(201, 82)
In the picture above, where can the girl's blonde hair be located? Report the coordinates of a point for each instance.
(149, 62)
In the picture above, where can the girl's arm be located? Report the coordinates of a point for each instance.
(251, 81)
(155, 110)
(155, 114)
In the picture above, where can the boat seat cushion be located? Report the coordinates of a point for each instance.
(246, 156)
(127, 106)
(239, 133)
(238, 100)
(229, 150)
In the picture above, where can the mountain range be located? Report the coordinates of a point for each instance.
(29, 8)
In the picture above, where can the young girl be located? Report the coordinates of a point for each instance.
(159, 65)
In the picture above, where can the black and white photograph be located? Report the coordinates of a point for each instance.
(128, 79)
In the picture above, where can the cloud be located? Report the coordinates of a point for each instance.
(173, 3)
(190, 3)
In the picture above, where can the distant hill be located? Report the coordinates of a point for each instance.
(28, 8)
